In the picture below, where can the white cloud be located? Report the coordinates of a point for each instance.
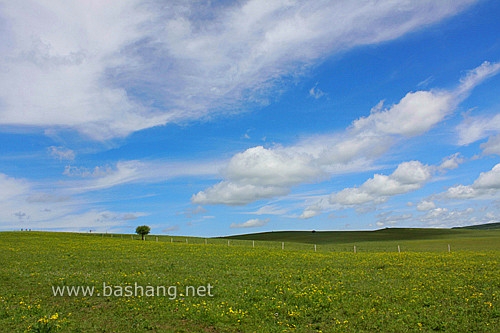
(353, 196)
(492, 146)
(461, 192)
(61, 153)
(473, 129)
(451, 162)
(53, 205)
(386, 218)
(408, 176)
(419, 111)
(272, 167)
(252, 223)
(55, 59)
(269, 210)
(27, 205)
(230, 193)
(98, 171)
(488, 183)
(475, 76)
(260, 172)
(134, 171)
(316, 92)
(443, 217)
(11, 187)
(309, 213)
(99, 67)
(415, 114)
(426, 205)
(488, 180)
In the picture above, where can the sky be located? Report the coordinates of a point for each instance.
(212, 118)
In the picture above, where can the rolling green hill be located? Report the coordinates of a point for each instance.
(343, 237)
(486, 226)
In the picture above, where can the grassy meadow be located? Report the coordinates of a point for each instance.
(253, 285)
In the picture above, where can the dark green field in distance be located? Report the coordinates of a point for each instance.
(417, 239)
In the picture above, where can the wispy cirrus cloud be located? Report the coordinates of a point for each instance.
(27, 205)
(64, 205)
(133, 171)
(107, 69)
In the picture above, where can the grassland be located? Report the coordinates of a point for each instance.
(255, 289)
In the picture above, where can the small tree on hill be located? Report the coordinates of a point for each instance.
(142, 230)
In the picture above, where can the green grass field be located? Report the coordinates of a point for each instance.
(241, 288)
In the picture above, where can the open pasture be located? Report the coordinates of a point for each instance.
(253, 289)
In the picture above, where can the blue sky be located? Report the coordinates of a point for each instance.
(230, 117)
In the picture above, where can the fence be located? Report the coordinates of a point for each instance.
(354, 247)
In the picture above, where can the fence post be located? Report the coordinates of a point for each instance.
(354, 248)
(253, 243)
(399, 249)
(314, 247)
(156, 238)
(282, 245)
(449, 248)
(228, 242)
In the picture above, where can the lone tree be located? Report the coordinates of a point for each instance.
(142, 230)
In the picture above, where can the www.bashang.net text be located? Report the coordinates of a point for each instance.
(134, 290)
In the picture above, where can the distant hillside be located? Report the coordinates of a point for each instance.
(486, 226)
(326, 237)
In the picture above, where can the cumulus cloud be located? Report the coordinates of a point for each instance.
(488, 180)
(415, 114)
(261, 172)
(426, 205)
(232, 193)
(419, 111)
(101, 67)
(461, 192)
(408, 176)
(252, 223)
(488, 183)
(272, 167)
(443, 217)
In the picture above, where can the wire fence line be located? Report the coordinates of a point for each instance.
(354, 247)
